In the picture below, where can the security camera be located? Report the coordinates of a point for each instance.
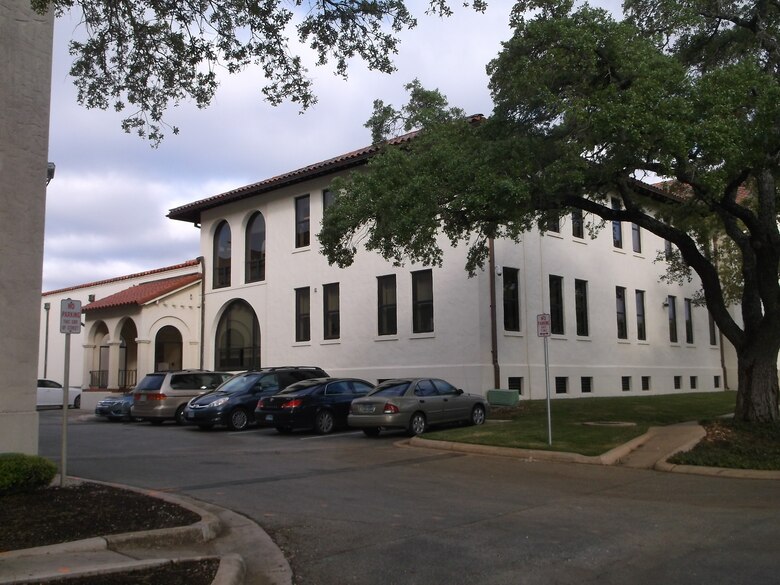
(50, 168)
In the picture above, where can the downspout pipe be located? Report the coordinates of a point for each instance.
(202, 262)
(493, 325)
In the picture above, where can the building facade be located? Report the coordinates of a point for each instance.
(132, 325)
(271, 299)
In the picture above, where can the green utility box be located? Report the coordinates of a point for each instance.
(499, 397)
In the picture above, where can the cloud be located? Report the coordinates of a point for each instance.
(106, 207)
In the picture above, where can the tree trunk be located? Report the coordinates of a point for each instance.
(757, 393)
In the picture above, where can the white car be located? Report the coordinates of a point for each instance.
(50, 394)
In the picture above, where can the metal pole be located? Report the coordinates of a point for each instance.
(65, 396)
(46, 306)
(547, 384)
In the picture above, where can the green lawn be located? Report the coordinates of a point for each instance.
(525, 426)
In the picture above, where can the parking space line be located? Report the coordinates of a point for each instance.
(330, 436)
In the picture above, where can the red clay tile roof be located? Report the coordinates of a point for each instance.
(127, 277)
(141, 294)
(191, 211)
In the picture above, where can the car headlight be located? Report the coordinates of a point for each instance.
(219, 401)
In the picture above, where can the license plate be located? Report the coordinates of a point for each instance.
(366, 409)
(269, 417)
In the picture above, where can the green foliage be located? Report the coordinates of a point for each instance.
(585, 104)
(23, 473)
(147, 55)
(735, 445)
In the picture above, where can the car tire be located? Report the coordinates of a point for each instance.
(283, 430)
(371, 432)
(477, 415)
(179, 416)
(206, 427)
(238, 420)
(324, 422)
(77, 401)
(417, 425)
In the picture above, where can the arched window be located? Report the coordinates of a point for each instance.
(222, 253)
(255, 248)
(238, 338)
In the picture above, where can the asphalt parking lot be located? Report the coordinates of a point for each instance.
(349, 509)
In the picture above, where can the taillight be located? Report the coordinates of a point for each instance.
(261, 403)
(294, 403)
(390, 408)
(157, 396)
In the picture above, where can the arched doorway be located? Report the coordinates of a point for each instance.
(238, 339)
(128, 355)
(167, 349)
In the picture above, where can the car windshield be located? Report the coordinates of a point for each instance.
(239, 383)
(151, 382)
(301, 387)
(397, 388)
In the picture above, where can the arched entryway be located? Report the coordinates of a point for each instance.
(128, 355)
(167, 349)
(237, 342)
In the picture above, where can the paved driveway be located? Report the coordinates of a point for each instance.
(348, 509)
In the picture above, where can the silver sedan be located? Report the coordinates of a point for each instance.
(414, 404)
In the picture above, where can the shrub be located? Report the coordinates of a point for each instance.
(23, 473)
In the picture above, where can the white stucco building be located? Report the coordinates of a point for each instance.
(133, 325)
(261, 294)
(270, 298)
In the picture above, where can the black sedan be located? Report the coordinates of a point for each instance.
(321, 404)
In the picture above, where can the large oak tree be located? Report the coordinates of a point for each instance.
(585, 105)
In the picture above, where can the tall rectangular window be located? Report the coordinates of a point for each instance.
(668, 252)
(328, 197)
(688, 307)
(551, 222)
(713, 330)
(617, 227)
(302, 314)
(625, 383)
(636, 238)
(302, 227)
(672, 311)
(641, 326)
(556, 305)
(586, 384)
(386, 305)
(422, 301)
(645, 382)
(511, 299)
(330, 311)
(577, 224)
(581, 307)
(561, 385)
(620, 312)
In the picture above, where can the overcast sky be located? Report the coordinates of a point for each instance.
(107, 204)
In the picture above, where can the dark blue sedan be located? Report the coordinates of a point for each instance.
(116, 407)
(321, 404)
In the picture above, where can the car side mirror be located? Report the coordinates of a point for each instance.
(459, 391)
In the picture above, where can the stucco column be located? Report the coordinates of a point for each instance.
(113, 365)
(145, 357)
(25, 70)
(86, 364)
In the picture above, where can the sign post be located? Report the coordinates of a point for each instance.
(70, 322)
(543, 329)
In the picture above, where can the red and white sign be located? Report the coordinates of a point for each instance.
(70, 316)
(543, 325)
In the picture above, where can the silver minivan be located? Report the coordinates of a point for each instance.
(162, 396)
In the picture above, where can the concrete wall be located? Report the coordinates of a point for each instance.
(25, 70)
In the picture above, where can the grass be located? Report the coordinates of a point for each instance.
(526, 424)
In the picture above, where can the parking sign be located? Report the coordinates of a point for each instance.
(70, 316)
(543, 325)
